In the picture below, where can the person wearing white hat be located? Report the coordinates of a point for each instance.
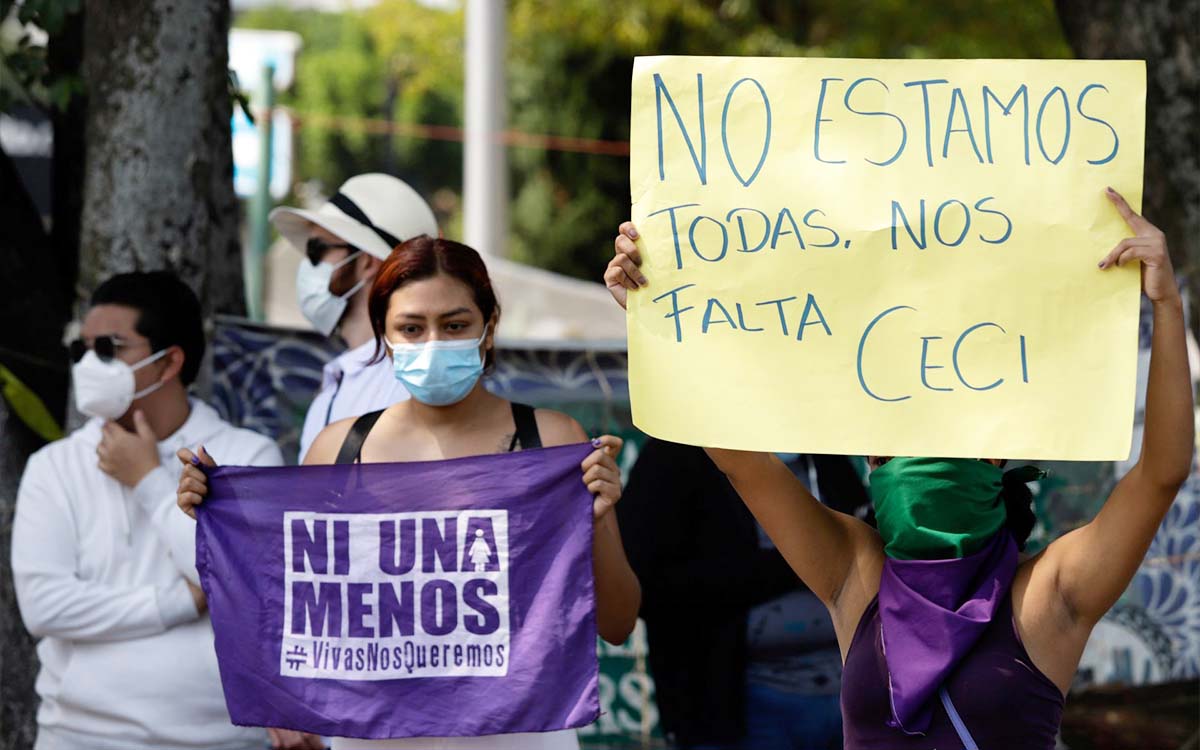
(344, 241)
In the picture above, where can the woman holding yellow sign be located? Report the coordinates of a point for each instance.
(949, 639)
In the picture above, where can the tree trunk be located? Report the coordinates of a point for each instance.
(65, 58)
(158, 191)
(1166, 34)
(36, 290)
(18, 662)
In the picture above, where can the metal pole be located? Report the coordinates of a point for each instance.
(485, 172)
(260, 237)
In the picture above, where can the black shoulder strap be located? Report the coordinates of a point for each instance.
(527, 435)
(351, 452)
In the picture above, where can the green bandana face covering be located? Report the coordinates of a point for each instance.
(937, 508)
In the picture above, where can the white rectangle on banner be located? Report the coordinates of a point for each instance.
(385, 596)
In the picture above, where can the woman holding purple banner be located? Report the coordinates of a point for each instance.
(948, 638)
(434, 314)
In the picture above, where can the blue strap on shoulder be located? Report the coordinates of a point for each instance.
(959, 727)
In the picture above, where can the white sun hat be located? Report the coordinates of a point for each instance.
(374, 212)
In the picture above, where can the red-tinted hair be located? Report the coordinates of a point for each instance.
(424, 257)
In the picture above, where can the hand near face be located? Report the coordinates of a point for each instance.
(128, 456)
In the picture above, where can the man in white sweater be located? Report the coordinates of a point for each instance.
(103, 560)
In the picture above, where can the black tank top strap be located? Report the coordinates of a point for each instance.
(526, 435)
(351, 451)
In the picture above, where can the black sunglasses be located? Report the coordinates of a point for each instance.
(316, 248)
(105, 348)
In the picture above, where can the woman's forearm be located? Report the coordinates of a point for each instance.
(618, 594)
(1169, 422)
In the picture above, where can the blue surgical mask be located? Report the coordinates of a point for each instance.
(439, 373)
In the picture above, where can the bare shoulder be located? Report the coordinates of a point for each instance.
(325, 447)
(557, 428)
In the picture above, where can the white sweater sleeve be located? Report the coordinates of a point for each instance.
(267, 453)
(53, 600)
(156, 496)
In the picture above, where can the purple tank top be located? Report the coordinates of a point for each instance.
(1001, 699)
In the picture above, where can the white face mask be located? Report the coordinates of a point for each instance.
(105, 389)
(322, 307)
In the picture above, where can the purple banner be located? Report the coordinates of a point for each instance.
(437, 599)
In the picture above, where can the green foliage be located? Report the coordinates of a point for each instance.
(569, 73)
(570, 65)
(49, 15)
(569, 68)
(24, 72)
(360, 73)
(932, 29)
(29, 408)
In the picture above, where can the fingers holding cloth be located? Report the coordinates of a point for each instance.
(602, 475)
(193, 482)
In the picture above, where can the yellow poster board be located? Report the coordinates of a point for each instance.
(885, 257)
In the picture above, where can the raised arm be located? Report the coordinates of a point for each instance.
(831, 552)
(1094, 564)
